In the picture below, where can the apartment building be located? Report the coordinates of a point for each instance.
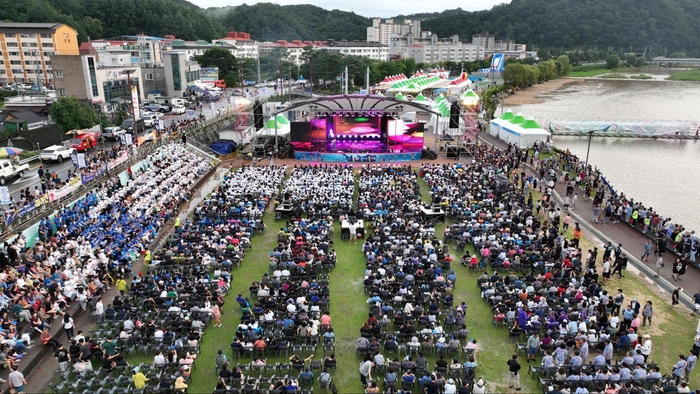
(26, 50)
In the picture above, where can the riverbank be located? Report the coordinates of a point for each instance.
(532, 94)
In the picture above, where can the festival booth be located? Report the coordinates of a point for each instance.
(522, 132)
(495, 124)
(356, 128)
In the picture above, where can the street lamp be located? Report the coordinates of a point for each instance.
(588, 150)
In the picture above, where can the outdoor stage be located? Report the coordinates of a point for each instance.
(356, 136)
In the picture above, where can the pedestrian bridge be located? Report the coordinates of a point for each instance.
(665, 61)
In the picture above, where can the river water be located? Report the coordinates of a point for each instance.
(662, 174)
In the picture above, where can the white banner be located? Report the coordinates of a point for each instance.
(190, 113)
(81, 160)
(135, 102)
(5, 195)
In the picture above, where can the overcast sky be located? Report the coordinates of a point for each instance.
(370, 8)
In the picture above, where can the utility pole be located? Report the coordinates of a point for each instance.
(367, 79)
(346, 79)
(259, 80)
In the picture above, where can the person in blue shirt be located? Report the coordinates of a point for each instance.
(599, 359)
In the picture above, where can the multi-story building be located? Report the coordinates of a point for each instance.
(484, 40)
(27, 49)
(106, 86)
(443, 52)
(244, 46)
(180, 72)
(372, 50)
(381, 31)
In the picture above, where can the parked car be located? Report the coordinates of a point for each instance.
(84, 142)
(178, 109)
(113, 132)
(158, 107)
(132, 127)
(56, 153)
(24, 86)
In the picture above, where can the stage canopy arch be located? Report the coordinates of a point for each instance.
(340, 104)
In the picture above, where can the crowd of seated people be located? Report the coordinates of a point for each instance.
(288, 310)
(409, 281)
(85, 247)
(539, 283)
(325, 190)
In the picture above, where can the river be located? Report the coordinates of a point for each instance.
(660, 173)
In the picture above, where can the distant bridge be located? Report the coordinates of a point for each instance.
(665, 61)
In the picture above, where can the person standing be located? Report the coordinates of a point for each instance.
(679, 368)
(690, 364)
(659, 264)
(647, 251)
(366, 371)
(514, 372)
(533, 343)
(17, 380)
(68, 325)
(675, 296)
(353, 232)
(647, 313)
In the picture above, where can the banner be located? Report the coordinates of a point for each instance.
(5, 195)
(118, 160)
(135, 102)
(26, 209)
(190, 113)
(148, 137)
(72, 185)
(81, 160)
(74, 158)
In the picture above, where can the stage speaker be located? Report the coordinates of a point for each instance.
(258, 120)
(454, 115)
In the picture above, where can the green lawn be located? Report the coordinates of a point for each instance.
(672, 332)
(595, 73)
(614, 76)
(641, 76)
(687, 75)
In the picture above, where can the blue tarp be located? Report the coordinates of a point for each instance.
(223, 147)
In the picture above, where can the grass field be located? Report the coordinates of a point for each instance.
(595, 73)
(672, 332)
(614, 76)
(641, 76)
(687, 75)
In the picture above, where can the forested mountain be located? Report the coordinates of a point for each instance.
(109, 18)
(671, 24)
(270, 22)
(567, 24)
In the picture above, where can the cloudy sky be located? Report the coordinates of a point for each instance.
(370, 8)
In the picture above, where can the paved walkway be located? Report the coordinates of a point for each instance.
(632, 241)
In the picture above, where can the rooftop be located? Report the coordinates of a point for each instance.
(32, 26)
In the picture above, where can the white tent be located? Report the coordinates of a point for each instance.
(523, 134)
(495, 124)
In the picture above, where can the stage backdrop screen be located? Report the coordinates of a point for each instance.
(407, 136)
(350, 127)
(299, 131)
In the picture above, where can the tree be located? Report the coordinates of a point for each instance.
(565, 64)
(69, 114)
(218, 57)
(612, 61)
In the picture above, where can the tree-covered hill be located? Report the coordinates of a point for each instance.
(661, 24)
(567, 24)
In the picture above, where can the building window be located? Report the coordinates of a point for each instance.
(11, 44)
(30, 44)
(149, 76)
(177, 78)
(58, 73)
(48, 53)
(93, 76)
(16, 62)
(47, 45)
(10, 35)
(61, 92)
(44, 35)
(27, 35)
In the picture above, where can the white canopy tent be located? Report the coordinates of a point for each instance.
(524, 134)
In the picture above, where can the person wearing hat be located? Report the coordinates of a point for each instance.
(450, 387)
